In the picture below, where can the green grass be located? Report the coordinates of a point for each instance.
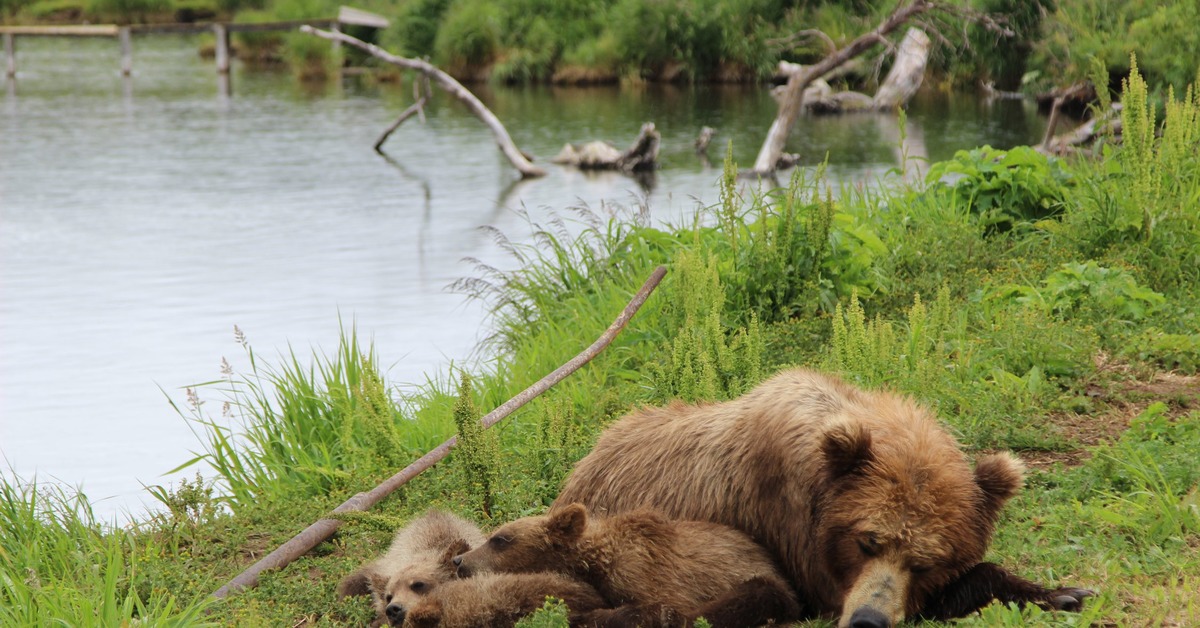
(1048, 336)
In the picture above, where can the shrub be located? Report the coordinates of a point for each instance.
(469, 35)
(1003, 188)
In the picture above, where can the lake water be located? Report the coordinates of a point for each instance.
(142, 218)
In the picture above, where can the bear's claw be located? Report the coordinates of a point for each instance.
(1069, 599)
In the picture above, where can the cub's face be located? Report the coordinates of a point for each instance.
(528, 545)
(395, 589)
(393, 594)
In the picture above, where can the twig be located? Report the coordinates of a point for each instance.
(446, 82)
(408, 113)
(324, 528)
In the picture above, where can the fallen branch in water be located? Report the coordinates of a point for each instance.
(518, 158)
(416, 108)
(324, 528)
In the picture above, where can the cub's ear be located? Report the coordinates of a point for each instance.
(378, 583)
(456, 547)
(568, 522)
(357, 583)
(1000, 476)
(847, 448)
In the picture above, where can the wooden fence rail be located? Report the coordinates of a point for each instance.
(222, 30)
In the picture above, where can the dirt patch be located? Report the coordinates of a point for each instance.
(256, 546)
(1123, 402)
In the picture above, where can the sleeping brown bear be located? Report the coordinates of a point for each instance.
(656, 572)
(870, 505)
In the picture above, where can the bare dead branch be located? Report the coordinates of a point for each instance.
(324, 528)
(408, 113)
(518, 159)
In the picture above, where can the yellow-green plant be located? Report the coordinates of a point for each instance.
(477, 450)
(706, 361)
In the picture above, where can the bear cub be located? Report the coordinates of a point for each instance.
(653, 571)
(415, 585)
(415, 564)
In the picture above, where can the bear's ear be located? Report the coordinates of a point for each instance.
(1000, 477)
(847, 447)
(568, 522)
(456, 547)
(357, 583)
(377, 583)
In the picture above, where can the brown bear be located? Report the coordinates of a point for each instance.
(657, 571)
(416, 562)
(499, 600)
(869, 504)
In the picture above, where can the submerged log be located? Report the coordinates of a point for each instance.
(1108, 123)
(641, 156)
(901, 84)
(519, 159)
(793, 100)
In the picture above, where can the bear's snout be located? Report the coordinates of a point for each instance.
(461, 570)
(867, 617)
(395, 614)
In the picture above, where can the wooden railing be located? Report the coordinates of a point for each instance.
(222, 31)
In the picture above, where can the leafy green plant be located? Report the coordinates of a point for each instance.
(1003, 188)
(1087, 286)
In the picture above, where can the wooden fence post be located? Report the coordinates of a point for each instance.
(126, 39)
(222, 34)
(10, 53)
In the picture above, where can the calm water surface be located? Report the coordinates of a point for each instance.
(141, 219)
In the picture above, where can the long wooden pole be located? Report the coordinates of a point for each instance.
(324, 528)
(456, 89)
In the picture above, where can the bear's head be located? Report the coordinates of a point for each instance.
(394, 589)
(902, 518)
(528, 545)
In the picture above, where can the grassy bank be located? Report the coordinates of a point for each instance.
(1043, 306)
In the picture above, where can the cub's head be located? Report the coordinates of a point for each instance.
(901, 520)
(528, 545)
(394, 589)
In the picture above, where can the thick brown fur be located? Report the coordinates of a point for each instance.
(868, 503)
(660, 572)
(416, 564)
(499, 600)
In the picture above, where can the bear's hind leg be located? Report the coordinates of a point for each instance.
(988, 581)
(755, 602)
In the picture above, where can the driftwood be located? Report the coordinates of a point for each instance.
(1108, 123)
(991, 93)
(1060, 97)
(324, 528)
(519, 160)
(704, 139)
(907, 73)
(793, 95)
(901, 84)
(641, 156)
(415, 109)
